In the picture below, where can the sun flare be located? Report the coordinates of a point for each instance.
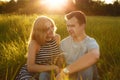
(108, 1)
(54, 4)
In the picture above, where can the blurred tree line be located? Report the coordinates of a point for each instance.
(90, 7)
(99, 7)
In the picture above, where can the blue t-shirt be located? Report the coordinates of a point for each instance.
(74, 50)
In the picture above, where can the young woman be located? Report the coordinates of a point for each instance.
(43, 44)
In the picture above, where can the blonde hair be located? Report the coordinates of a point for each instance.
(39, 30)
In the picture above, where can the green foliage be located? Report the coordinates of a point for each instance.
(106, 32)
(14, 34)
(15, 30)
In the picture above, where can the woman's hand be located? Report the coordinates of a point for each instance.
(56, 69)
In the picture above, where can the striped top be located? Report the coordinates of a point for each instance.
(46, 53)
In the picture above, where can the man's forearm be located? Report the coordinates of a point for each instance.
(83, 62)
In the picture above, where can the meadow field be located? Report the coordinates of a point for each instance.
(14, 36)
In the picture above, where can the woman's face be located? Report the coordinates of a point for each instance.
(50, 31)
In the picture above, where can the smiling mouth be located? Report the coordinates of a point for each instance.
(70, 32)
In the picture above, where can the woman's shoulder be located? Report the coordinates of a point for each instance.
(33, 44)
(57, 38)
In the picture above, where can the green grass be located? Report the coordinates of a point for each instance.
(14, 35)
(106, 31)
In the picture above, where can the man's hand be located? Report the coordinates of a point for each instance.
(62, 76)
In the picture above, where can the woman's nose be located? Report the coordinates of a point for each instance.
(51, 29)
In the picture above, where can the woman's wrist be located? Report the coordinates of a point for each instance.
(54, 67)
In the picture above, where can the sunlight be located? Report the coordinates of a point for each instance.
(8, 0)
(5, 0)
(54, 4)
(108, 1)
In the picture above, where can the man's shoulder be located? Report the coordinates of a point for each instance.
(66, 39)
(91, 43)
(90, 39)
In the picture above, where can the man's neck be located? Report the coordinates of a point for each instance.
(80, 37)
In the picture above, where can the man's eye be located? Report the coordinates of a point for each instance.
(70, 25)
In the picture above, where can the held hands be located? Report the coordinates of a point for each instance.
(59, 60)
(61, 75)
(59, 64)
(55, 68)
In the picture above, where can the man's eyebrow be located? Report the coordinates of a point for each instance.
(70, 24)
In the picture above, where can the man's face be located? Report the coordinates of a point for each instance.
(74, 28)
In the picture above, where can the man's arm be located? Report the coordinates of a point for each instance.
(85, 61)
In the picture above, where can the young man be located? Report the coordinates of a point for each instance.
(81, 51)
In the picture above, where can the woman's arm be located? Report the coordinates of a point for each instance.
(31, 66)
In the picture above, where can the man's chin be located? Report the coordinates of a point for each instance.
(72, 35)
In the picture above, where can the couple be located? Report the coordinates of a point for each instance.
(81, 52)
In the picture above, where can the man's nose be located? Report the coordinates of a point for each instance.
(69, 28)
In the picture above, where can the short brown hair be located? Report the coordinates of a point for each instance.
(79, 15)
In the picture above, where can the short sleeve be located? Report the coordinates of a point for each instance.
(92, 44)
(61, 46)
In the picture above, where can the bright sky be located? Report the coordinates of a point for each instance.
(106, 1)
(54, 4)
(4, 0)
